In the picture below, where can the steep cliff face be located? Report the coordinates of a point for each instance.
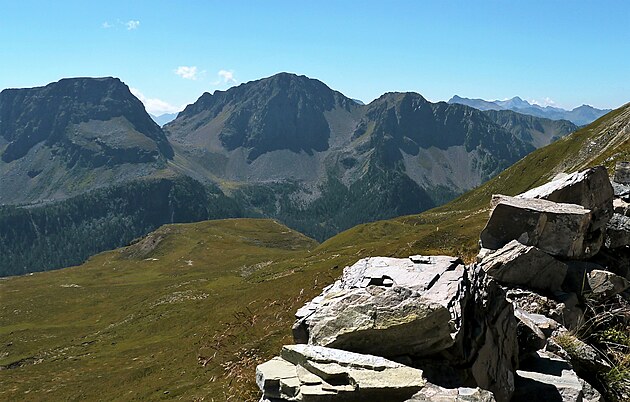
(72, 136)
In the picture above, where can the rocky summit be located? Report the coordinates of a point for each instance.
(291, 148)
(73, 136)
(429, 328)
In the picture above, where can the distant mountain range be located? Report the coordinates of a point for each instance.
(294, 149)
(97, 172)
(581, 115)
(163, 118)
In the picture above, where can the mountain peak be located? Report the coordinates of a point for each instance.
(61, 112)
(283, 111)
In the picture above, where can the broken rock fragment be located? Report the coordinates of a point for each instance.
(558, 229)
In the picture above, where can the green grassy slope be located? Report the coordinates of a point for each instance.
(189, 311)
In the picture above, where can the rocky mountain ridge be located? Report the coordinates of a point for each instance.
(74, 132)
(580, 115)
(288, 146)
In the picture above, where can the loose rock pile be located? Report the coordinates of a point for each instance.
(430, 328)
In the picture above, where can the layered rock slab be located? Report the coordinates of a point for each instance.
(315, 373)
(419, 309)
(545, 377)
(590, 188)
(558, 229)
(518, 264)
(388, 307)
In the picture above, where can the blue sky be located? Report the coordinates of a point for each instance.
(554, 52)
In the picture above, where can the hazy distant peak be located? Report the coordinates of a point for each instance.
(580, 115)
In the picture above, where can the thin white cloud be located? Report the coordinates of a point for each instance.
(547, 101)
(106, 25)
(132, 24)
(227, 76)
(155, 106)
(187, 72)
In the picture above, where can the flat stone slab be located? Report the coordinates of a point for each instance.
(544, 377)
(518, 264)
(316, 373)
(387, 307)
(589, 188)
(413, 309)
(556, 228)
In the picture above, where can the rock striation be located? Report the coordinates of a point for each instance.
(429, 328)
(315, 373)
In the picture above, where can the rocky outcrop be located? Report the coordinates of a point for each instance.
(545, 377)
(618, 232)
(422, 310)
(459, 332)
(389, 307)
(558, 229)
(622, 173)
(590, 188)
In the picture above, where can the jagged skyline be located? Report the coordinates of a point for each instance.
(169, 54)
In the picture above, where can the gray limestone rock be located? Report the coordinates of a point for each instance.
(435, 393)
(622, 173)
(557, 229)
(545, 377)
(534, 330)
(605, 284)
(517, 264)
(427, 308)
(590, 188)
(387, 307)
(315, 373)
(617, 232)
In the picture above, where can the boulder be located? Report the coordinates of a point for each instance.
(315, 373)
(605, 284)
(422, 309)
(590, 188)
(545, 377)
(617, 232)
(435, 393)
(517, 264)
(622, 173)
(558, 229)
(388, 307)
